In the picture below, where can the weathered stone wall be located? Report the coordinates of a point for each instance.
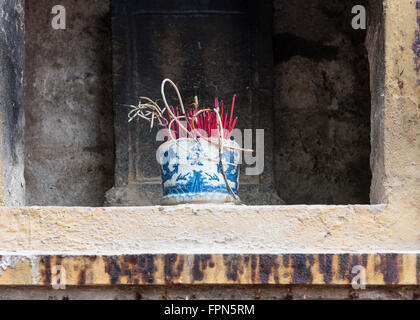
(382, 228)
(375, 44)
(401, 116)
(69, 128)
(321, 103)
(11, 102)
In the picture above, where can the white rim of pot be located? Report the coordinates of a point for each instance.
(179, 142)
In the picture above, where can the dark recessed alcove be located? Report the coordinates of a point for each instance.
(321, 102)
(299, 69)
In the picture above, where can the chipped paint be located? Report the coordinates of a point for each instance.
(9, 262)
(35, 267)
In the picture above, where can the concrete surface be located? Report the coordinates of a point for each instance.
(69, 147)
(211, 292)
(400, 113)
(12, 48)
(210, 229)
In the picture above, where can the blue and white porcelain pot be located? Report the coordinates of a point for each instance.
(191, 172)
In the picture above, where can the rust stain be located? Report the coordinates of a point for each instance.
(416, 44)
(418, 269)
(145, 266)
(82, 277)
(286, 261)
(45, 270)
(268, 266)
(161, 269)
(344, 263)
(231, 262)
(302, 264)
(200, 265)
(253, 268)
(325, 267)
(388, 267)
(174, 265)
(113, 269)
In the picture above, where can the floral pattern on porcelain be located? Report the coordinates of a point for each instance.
(191, 171)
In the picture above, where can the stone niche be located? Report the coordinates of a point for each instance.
(321, 103)
(300, 73)
(299, 70)
(208, 48)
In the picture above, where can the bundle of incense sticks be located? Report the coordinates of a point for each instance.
(204, 123)
(207, 122)
(212, 122)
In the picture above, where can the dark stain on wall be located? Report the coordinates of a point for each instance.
(174, 265)
(82, 277)
(267, 266)
(325, 266)
(299, 46)
(139, 268)
(199, 266)
(416, 44)
(231, 263)
(150, 269)
(418, 268)
(12, 57)
(389, 268)
(112, 267)
(286, 260)
(12, 52)
(46, 270)
(253, 268)
(302, 264)
(343, 265)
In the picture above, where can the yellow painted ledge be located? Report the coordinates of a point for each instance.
(163, 269)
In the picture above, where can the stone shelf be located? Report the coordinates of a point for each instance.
(209, 244)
